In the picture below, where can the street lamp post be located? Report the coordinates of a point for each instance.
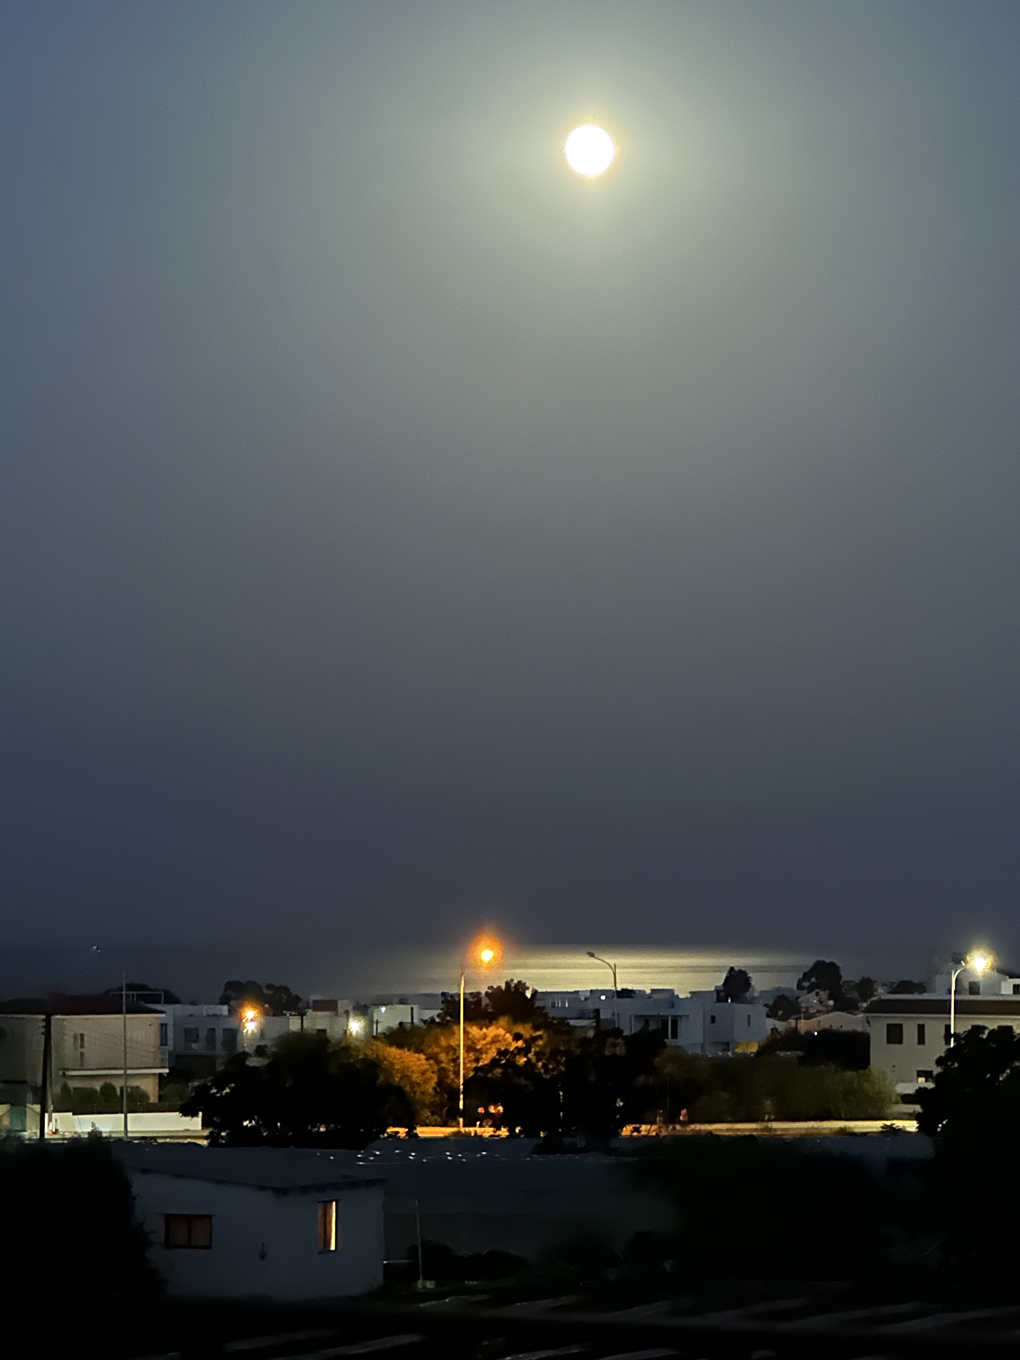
(616, 992)
(483, 953)
(124, 1041)
(978, 961)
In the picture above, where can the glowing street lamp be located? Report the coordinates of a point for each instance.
(616, 992)
(978, 961)
(484, 953)
(251, 1016)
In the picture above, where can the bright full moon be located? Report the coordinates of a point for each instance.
(589, 150)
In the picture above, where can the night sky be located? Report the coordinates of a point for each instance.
(399, 534)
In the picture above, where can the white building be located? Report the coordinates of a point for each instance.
(277, 1223)
(910, 1033)
(188, 1032)
(699, 1023)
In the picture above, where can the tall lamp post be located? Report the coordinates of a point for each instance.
(978, 961)
(484, 953)
(616, 991)
(124, 1041)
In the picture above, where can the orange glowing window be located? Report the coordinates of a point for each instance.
(327, 1225)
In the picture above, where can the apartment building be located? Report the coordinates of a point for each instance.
(87, 1042)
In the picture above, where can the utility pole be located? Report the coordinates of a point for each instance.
(44, 1093)
(123, 997)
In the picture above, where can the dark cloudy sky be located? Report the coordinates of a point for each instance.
(398, 533)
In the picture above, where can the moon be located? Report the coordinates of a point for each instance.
(589, 150)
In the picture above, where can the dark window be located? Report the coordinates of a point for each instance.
(193, 1231)
(190, 1038)
(164, 1035)
(894, 1034)
(973, 988)
(327, 1225)
(674, 1026)
(1016, 988)
(947, 1036)
(920, 1034)
(210, 1040)
(229, 1040)
(711, 1019)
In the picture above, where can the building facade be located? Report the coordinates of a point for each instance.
(910, 1033)
(276, 1223)
(87, 1047)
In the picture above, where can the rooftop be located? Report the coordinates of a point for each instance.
(73, 1005)
(280, 1169)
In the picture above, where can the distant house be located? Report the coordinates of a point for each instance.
(699, 1023)
(909, 1033)
(278, 1223)
(88, 1039)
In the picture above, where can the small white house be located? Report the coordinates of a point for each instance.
(276, 1223)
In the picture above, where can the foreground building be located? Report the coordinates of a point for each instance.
(276, 1223)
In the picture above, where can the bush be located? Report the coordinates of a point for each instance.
(70, 1220)
(724, 1191)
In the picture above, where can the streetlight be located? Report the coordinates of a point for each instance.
(612, 969)
(124, 1036)
(979, 961)
(483, 953)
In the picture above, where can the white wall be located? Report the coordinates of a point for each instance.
(264, 1242)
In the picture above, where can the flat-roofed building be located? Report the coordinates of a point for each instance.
(87, 1045)
(910, 1033)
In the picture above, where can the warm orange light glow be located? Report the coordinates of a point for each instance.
(485, 952)
(250, 1017)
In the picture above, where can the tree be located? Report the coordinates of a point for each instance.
(975, 1097)
(784, 1008)
(310, 1093)
(79, 1186)
(972, 1110)
(736, 985)
(824, 976)
(412, 1073)
(847, 1049)
(513, 1001)
(274, 998)
(905, 987)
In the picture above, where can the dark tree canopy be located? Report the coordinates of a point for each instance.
(274, 998)
(512, 1000)
(847, 1049)
(905, 987)
(824, 976)
(736, 985)
(784, 1008)
(975, 1096)
(310, 1093)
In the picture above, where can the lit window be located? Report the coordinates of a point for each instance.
(327, 1225)
(190, 1231)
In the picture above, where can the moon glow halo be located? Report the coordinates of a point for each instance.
(589, 150)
